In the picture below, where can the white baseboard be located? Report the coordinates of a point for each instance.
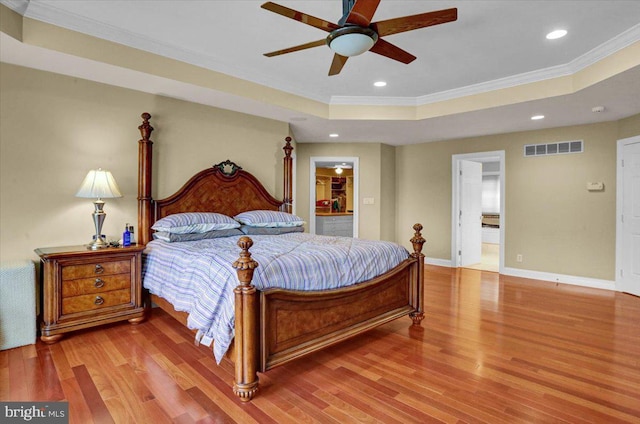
(561, 278)
(543, 276)
(438, 262)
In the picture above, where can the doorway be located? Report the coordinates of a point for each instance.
(628, 216)
(477, 234)
(333, 194)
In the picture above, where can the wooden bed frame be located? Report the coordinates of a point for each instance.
(275, 326)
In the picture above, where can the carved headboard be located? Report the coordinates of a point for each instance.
(224, 188)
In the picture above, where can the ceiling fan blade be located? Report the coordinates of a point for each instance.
(361, 13)
(300, 17)
(318, 43)
(391, 51)
(409, 23)
(337, 64)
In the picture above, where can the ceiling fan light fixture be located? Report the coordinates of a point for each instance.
(351, 40)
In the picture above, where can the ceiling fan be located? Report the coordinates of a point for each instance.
(355, 34)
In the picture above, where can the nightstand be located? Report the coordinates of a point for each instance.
(83, 288)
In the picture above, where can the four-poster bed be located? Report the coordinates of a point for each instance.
(275, 325)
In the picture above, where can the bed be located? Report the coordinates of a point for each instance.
(273, 326)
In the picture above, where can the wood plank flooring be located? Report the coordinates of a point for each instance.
(492, 349)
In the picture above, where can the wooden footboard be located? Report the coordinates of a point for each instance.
(276, 326)
(294, 323)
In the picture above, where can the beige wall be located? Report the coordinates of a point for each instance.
(551, 219)
(388, 195)
(629, 127)
(56, 128)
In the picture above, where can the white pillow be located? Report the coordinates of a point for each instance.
(194, 222)
(264, 218)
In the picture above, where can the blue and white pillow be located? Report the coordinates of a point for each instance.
(269, 231)
(194, 222)
(265, 218)
(173, 237)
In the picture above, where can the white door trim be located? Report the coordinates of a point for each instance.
(619, 186)
(312, 188)
(497, 155)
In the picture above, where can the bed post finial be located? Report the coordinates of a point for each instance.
(145, 128)
(417, 240)
(418, 303)
(145, 148)
(288, 176)
(245, 264)
(246, 325)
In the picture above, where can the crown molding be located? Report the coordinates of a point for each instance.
(45, 12)
(50, 14)
(373, 101)
(617, 43)
(621, 41)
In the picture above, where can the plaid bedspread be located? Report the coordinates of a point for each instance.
(197, 277)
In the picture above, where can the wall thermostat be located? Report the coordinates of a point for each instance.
(595, 186)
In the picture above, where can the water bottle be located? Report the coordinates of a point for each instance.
(126, 236)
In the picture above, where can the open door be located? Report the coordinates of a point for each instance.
(464, 247)
(470, 213)
(346, 214)
(629, 224)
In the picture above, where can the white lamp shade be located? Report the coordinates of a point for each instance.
(99, 184)
(351, 44)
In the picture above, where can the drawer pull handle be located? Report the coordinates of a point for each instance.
(99, 269)
(99, 301)
(99, 283)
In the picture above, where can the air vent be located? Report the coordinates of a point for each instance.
(559, 148)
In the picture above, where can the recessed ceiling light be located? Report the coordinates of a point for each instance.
(380, 83)
(334, 135)
(536, 117)
(559, 33)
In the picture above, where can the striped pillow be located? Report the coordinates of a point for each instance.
(173, 237)
(194, 222)
(261, 218)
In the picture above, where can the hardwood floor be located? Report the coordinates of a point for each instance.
(492, 349)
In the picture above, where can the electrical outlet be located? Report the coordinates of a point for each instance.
(519, 257)
(368, 201)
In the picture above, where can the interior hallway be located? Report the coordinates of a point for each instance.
(490, 258)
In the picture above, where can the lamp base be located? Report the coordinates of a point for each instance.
(97, 243)
(98, 219)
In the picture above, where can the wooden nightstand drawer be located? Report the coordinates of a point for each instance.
(89, 302)
(95, 284)
(71, 272)
(84, 288)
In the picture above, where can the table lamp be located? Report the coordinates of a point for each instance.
(98, 184)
